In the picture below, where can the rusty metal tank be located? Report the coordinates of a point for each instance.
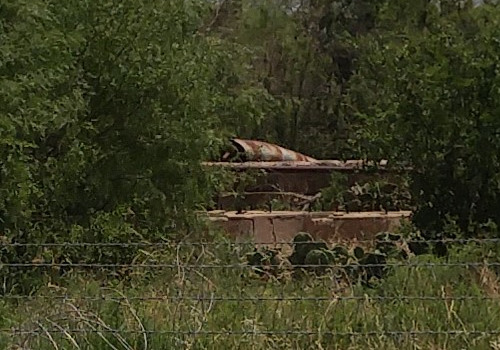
(266, 152)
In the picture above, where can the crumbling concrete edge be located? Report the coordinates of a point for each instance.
(281, 226)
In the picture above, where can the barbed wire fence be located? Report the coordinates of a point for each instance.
(212, 295)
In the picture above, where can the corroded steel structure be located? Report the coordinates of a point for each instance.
(264, 151)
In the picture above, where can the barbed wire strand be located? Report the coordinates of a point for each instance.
(180, 243)
(247, 266)
(257, 332)
(254, 299)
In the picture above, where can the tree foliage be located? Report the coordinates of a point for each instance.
(108, 107)
(436, 108)
(302, 53)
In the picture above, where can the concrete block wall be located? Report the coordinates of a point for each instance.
(282, 226)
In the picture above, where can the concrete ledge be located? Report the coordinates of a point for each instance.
(281, 226)
(326, 164)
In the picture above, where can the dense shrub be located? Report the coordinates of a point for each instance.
(108, 108)
(436, 109)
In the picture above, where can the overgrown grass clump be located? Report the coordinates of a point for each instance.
(207, 297)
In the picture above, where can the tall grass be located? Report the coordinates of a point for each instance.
(197, 305)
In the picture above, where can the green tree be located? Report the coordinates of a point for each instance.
(436, 108)
(108, 108)
(303, 53)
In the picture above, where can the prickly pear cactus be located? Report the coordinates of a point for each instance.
(318, 257)
(265, 261)
(354, 265)
(303, 243)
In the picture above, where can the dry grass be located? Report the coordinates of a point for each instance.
(230, 308)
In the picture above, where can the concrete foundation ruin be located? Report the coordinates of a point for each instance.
(287, 175)
(272, 228)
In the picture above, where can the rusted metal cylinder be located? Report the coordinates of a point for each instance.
(264, 151)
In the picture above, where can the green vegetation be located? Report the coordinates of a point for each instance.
(436, 108)
(180, 306)
(107, 109)
(365, 195)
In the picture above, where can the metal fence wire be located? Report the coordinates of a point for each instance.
(390, 293)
